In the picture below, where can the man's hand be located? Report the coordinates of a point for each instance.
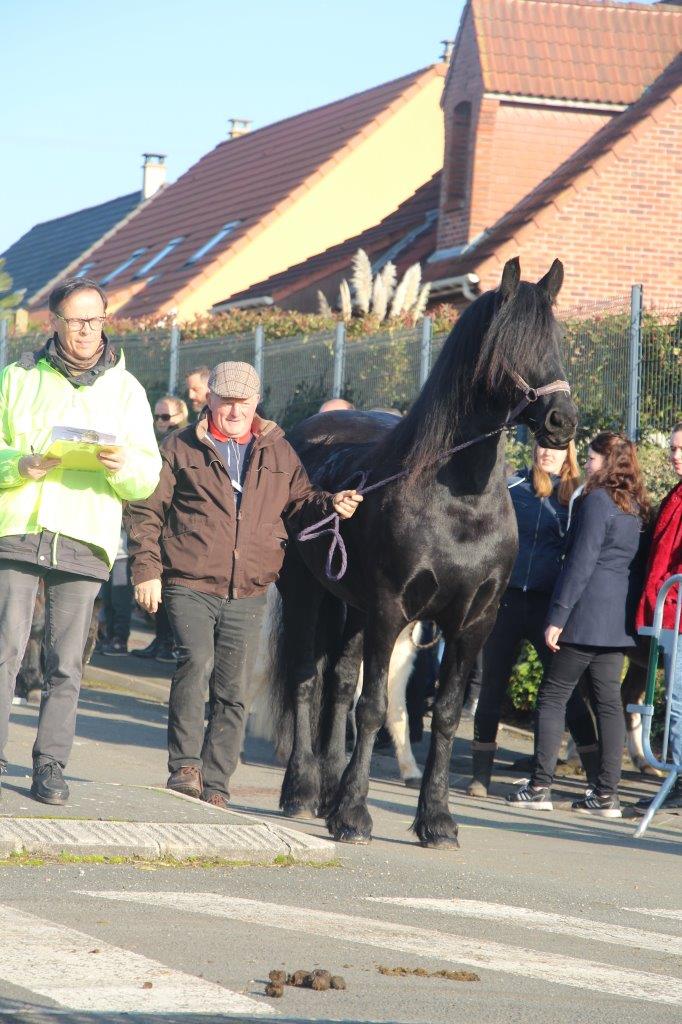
(346, 502)
(35, 467)
(148, 595)
(113, 459)
(552, 634)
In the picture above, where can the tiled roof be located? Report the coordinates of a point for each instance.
(597, 148)
(408, 234)
(47, 249)
(589, 50)
(242, 180)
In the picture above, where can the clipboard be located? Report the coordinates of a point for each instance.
(78, 448)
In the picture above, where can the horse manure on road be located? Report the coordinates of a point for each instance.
(317, 980)
(421, 972)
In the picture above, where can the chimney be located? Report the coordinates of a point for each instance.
(448, 46)
(153, 173)
(239, 126)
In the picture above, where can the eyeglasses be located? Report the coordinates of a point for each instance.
(78, 323)
(163, 416)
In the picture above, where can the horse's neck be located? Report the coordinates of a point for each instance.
(474, 470)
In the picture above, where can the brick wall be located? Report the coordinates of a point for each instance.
(620, 223)
(511, 147)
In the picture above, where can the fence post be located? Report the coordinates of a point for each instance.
(425, 351)
(258, 342)
(174, 359)
(3, 344)
(339, 359)
(635, 361)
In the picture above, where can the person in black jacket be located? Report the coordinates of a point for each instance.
(592, 612)
(541, 498)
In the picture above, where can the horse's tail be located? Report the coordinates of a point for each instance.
(267, 693)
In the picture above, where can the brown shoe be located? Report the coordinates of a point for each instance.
(216, 800)
(187, 780)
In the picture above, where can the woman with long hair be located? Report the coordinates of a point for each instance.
(592, 613)
(541, 496)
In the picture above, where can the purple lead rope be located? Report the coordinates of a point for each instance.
(331, 524)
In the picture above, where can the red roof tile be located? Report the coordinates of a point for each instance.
(412, 227)
(589, 50)
(244, 180)
(598, 147)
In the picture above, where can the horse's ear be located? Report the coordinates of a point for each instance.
(553, 280)
(511, 275)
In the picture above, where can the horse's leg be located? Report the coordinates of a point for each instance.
(433, 822)
(343, 684)
(397, 721)
(350, 820)
(302, 596)
(632, 692)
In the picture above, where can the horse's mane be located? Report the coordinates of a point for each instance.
(490, 338)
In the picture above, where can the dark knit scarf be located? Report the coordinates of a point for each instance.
(77, 365)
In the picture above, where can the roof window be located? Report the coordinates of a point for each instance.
(123, 266)
(225, 230)
(85, 270)
(144, 270)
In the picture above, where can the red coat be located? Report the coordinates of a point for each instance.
(665, 559)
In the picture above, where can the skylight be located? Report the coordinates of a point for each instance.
(225, 230)
(85, 269)
(144, 270)
(123, 266)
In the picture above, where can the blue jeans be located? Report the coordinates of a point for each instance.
(675, 735)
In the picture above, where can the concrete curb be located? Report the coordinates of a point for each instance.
(145, 687)
(256, 843)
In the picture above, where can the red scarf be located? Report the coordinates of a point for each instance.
(219, 436)
(665, 559)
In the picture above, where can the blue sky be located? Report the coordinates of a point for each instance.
(87, 87)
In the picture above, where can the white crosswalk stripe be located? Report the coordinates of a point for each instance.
(561, 924)
(674, 915)
(425, 942)
(83, 973)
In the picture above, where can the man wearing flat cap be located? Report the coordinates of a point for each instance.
(208, 542)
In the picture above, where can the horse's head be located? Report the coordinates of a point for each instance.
(522, 354)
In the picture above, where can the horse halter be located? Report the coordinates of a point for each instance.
(331, 524)
(531, 395)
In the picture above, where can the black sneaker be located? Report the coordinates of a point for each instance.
(48, 784)
(165, 652)
(147, 652)
(600, 805)
(673, 801)
(114, 648)
(539, 799)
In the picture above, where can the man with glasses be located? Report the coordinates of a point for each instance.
(170, 413)
(59, 523)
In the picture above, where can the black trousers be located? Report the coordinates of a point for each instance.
(522, 616)
(217, 642)
(604, 668)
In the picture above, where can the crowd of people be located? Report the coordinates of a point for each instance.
(187, 512)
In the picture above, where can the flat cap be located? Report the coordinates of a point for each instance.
(234, 380)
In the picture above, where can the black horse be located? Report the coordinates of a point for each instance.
(438, 543)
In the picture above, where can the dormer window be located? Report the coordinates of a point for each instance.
(225, 230)
(458, 156)
(144, 270)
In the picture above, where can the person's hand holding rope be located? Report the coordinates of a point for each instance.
(345, 503)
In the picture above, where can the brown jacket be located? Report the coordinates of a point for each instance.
(189, 530)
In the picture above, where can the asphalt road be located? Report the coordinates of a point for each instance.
(561, 918)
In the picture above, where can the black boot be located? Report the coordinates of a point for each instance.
(483, 756)
(48, 784)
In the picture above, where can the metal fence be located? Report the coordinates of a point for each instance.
(624, 363)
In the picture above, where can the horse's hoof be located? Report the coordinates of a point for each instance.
(650, 771)
(351, 835)
(415, 782)
(441, 843)
(297, 810)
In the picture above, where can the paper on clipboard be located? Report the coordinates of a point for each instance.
(78, 447)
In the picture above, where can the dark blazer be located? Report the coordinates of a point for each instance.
(542, 524)
(595, 596)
